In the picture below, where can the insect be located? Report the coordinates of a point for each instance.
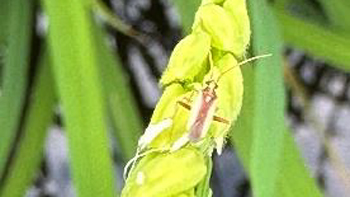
(203, 108)
(202, 113)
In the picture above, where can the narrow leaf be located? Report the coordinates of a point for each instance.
(294, 178)
(120, 102)
(30, 149)
(77, 77)
(14, 77)
(338, 13)
(330, 45)
(267, 144)
(4, 23)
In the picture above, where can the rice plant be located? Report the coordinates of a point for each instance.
(150, 95)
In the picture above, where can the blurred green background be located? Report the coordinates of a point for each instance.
(79, 82)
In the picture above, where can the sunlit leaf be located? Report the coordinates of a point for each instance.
(269, 98)
(80, 92)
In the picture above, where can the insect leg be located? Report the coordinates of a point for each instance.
(220, 119)
(216, 118)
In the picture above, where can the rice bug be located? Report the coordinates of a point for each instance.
(202, 113)
(204, 106)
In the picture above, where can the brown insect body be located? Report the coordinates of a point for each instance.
(203, 112)
(204, 106)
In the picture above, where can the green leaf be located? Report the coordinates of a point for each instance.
(112, 19)
(303, 9)
(293, 178)
(4, 24)
(30, 149)
(80, 92)
(338, 13)
(120, 102)
(14, 77)
(268, 120)
(330, 45)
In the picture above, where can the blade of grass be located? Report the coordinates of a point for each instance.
(112, 19)
(120, 102)
(4, 18)
(14, 74)
(77, 78)
(303, 9)
(268, 121)
(294, 178)
(316, 40)
(338, 13)
(29, 153)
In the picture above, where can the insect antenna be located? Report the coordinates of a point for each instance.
(244, 62)
(253, 58)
